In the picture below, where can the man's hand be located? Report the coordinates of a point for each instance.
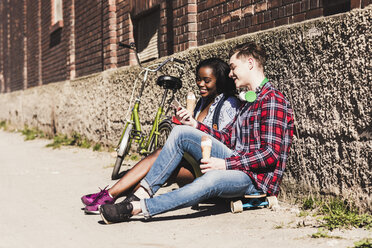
(209, 164)
(185, 117)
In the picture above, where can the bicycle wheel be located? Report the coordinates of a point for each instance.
(122, 151)
(165, 127)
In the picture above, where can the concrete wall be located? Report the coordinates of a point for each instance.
(323, 66)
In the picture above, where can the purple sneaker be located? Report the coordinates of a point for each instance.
(89, 199)
(104, 198)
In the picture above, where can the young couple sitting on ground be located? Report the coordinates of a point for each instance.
(249, 149)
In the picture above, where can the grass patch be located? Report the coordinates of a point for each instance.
(303, 213)
(97, 147)
(337, 213)
(3, 125)
(32, 133)
(364, 243)
(322, 233)
(347, 219)
(341, 214)
(111, 149)
(279, 226)
(75, 140)
(109, 166)
(59, 140)
(311, 203)
(134, 156)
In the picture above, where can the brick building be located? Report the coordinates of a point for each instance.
(44, 41)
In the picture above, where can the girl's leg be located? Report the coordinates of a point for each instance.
(130, 181)
(127, 184)
(184, 174)
(184, 177)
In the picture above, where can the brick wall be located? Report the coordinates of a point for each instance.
(184, 24)
(33, 53)
(88, 36)
(109, 34)
(3, 46)
(218, 20)
(124, 31)
(15, 34)
(85, 41)
(53, 58)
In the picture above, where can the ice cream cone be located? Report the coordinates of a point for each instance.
(190, 102)
(206, 147)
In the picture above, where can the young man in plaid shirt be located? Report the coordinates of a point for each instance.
(248, 156)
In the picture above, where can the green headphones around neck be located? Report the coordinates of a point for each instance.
(251, 96)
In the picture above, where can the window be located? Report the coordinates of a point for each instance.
(146, 29)
(332, 7)
(55, 37)
(57, 14)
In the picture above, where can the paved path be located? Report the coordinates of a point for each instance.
(40, 207)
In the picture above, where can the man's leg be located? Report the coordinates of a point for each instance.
(182, 139)
(216, 183)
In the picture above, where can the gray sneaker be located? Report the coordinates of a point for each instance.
(119, 212)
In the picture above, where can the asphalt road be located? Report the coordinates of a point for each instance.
(40, 190)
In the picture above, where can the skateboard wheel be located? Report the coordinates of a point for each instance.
(272, 200)
(236, 206)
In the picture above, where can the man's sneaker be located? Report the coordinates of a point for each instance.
(119, 212)
(131, 198)
(105, 198)
(89, 199)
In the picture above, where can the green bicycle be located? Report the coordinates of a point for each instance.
(161, 126)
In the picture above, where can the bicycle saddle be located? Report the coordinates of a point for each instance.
(169, 82)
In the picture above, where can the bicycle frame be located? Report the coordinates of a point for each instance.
(137, 134)
(158, 118)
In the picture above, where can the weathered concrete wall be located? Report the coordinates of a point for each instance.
(323, 67)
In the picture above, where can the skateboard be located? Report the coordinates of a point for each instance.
(253, 201)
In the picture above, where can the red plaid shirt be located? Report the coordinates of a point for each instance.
(260, 137)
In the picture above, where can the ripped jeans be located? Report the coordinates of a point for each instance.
(216, 183)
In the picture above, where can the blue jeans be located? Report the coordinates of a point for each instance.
(216, 183)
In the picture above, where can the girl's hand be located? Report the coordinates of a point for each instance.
(185, 117)
(212, 163)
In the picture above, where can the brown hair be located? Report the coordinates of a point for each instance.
(250, 49)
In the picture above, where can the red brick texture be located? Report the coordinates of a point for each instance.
(15, 60)
(53, 60)
(33, 52)
(184, 24)
(227, 19)
(88, 36)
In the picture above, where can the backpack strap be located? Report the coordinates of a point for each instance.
(217, 111)
(197, 107)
